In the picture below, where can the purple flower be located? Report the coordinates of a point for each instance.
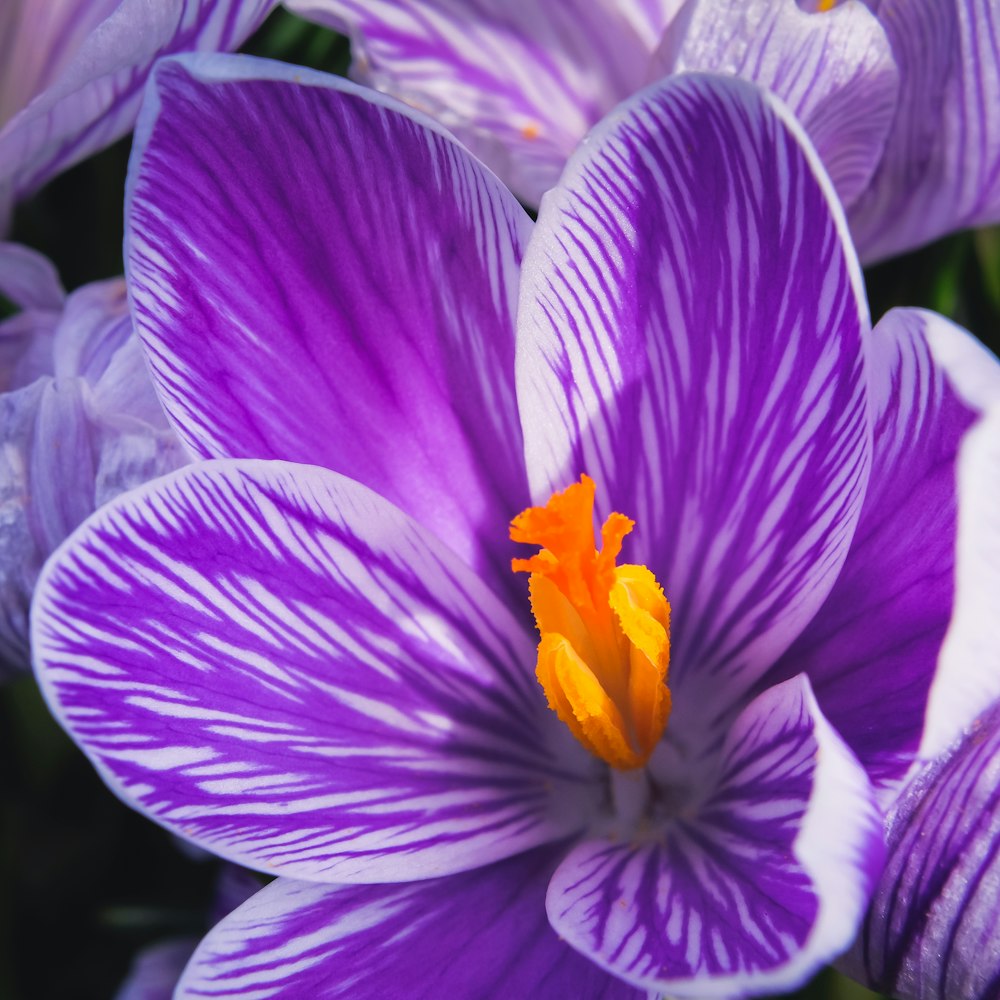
(308, 653)
(79, 423)
(72, 71)
(898, 97)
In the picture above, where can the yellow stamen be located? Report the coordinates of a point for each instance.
(824, 5)
(605, 629)
(531, 131)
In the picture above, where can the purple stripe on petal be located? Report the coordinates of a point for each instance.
(932, 931)
(92, 94)
(690, 336)
(750, 890)
(519, 82)
(475, 935)
(941, 168)
(878, 638)
(835, 72)
(378, 338)
(277, 664)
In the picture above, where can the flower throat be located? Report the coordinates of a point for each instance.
(605, 629)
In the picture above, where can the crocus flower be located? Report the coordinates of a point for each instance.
(309, 652)
(898, 96)
(72, 71)
(79, 423)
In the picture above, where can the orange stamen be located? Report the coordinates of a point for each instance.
(605, 629)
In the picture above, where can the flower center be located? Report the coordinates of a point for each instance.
(605, 629)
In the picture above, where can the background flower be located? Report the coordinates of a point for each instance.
(896, 96)
(71, 74)
(79, 423)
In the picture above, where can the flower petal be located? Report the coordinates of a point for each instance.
(58, 462)
(30, 282)
(477, 934)
(279, 665)
(156, 970)
(932, 930)
(749, 891)
(29, 279)
(93, 326)
(97, 56)
(46, 490)
(941, 168)
(518, 82)
(378, 340)
(835, 71)
(690, 336)
(878, 638)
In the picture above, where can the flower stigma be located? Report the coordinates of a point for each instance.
(605, 629)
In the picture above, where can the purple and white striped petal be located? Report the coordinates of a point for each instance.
(932, 931)
(274, 662)
(691, 329)
(73, 82)
(835, 71)
(378, 336)
(477, 934)
(941, 168)
(878, 638)
(519, 82)
(750, 890)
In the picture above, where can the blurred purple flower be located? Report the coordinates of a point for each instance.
(898, 97)
(932, 931)
(79, 423)
(72, 71)
(308, 653)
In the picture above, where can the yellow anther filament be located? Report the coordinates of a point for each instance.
(605, 629)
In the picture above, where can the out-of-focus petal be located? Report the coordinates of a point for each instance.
(691, 328)
(46, 490)
(38, 41)
(878, 638)
(518, 82)
(29, 279)
(477, 934)
(92, 60)
(276, 663)
(30, 282)
(835, 71)
(58, 461)
(932, 929)
(93, 326)
(377, 335)
(746, 891)
(157, 969)
(941, 168)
